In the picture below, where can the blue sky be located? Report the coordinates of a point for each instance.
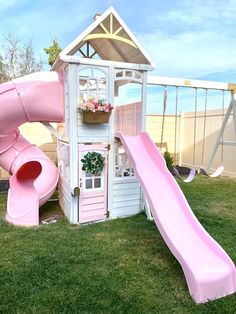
(185, 38)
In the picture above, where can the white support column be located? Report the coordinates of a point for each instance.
(117, 126)
(116, 94)
(144, 101)
(143, 129)
(111, 153)
(145, 206)
(73, 140)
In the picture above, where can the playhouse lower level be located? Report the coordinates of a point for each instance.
(94, 190)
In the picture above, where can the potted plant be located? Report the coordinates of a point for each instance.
(95, 110)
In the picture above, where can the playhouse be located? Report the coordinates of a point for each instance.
(108, 166)
(99, 62)
(103, 58)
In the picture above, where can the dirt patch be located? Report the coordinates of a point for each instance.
(4, 185)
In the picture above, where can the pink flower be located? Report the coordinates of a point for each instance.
(94, 101)
(93, 104)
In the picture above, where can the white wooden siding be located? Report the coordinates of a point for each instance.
(92, 133)
(64, 190)
(66, 124)
(126, 197)
(64, 196)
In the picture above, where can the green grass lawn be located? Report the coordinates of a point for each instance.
(119, 266)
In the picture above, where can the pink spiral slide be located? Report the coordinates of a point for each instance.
(35, 97)
(209, 271)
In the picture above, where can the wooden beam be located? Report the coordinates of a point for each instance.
(117, 64)
(104, 28)
(93, 54)
(228, 143)
(111, 23)
(182, 82)
(118, 30)
(232, 86)
(83, 54)
(109, 36)
(87, 55)
(87, 49)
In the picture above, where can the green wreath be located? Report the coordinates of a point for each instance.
(93, 163)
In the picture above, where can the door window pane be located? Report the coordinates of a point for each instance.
(89, 184)
(97, 183)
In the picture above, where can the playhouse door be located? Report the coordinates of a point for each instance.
(93, 188)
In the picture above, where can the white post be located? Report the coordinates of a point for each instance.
(111, 153)
(117, 123)
(143, 129)
(144, 101)
(116, 94)
(73, 140)
(146, 207)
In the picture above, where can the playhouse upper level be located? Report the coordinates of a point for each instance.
(100, 60)
(107, 39)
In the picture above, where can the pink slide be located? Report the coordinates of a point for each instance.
(35, 97)
(209, 271)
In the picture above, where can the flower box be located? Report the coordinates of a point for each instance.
(96, 117)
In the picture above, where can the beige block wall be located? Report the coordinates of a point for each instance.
(171, 133)
(3, 174)
(128, 120)
(203, 148)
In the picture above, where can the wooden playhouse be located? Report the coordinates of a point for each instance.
(96, 64)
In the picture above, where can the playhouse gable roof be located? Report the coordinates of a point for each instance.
(109, 38)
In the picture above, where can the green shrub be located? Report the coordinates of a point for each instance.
(169, 160)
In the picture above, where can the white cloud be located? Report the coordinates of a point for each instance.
(191, 54)
(194, 39)
(184, 38)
